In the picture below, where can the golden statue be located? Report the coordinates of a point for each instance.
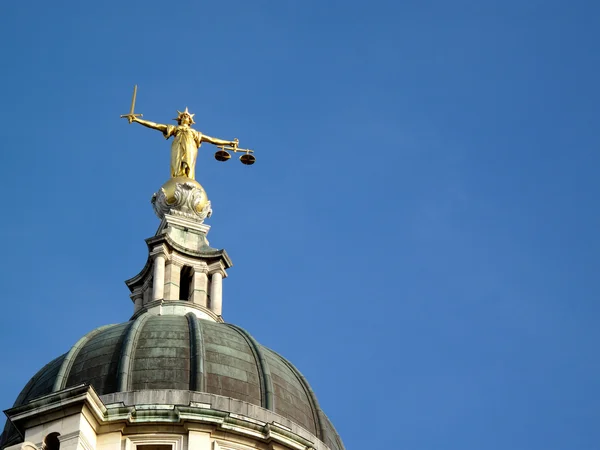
(186, 142)
(182, 194)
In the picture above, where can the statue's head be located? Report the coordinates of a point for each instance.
(185, 118)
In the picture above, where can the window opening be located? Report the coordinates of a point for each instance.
(51, 442)
(185, 284)
(154, 447)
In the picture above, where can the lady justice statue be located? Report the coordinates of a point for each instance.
(186, 142)
(181, 194)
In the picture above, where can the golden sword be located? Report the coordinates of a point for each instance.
(131, 113)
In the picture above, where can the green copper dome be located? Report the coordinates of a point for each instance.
(182, 352)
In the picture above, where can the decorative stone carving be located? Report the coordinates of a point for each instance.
(182, 197)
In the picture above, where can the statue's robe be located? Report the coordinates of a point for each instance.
(184, 150)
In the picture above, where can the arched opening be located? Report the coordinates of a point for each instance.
(208, 292)
(51, 442)
(185, 282)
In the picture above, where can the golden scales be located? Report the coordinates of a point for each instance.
(223, 154)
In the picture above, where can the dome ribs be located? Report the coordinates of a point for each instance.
(126, 360)
(161, 356)
(230, 365)
(65, 368)
(268, 399)
(24, 396)
(197, 378)
(310, 394)
(97, 362)
(178, 354)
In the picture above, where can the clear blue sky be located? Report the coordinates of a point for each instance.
(420, 232)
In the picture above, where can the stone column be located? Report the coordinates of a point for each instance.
(216, 293)
(172, 277)
(146, 291)
(137, 297)
(199, 287)
(158, 287)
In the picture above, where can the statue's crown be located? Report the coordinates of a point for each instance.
(180, 114)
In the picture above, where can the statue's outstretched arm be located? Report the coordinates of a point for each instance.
(216, 141)
(155, 126)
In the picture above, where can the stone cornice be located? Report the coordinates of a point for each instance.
(160, 250)
(67, 401)
(211, 254)
(181, 260)
(182, 222)
(266, 426)
(217, 260)
(185, 409)
(182, 303)
(217, 267)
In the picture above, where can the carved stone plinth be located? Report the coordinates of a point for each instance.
(182, 196)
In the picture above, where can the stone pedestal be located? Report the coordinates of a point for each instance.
(184, 197)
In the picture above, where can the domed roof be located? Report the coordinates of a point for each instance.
(183, 352)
